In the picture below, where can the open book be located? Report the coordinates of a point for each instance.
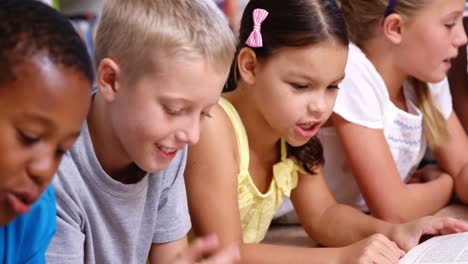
(448, 249)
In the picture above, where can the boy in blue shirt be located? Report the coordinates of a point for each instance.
(45, 81)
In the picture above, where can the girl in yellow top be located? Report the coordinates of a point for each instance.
(260, 144)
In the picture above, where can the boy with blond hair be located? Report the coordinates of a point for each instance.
(161, 66)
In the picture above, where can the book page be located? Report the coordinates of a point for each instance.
(441, 249)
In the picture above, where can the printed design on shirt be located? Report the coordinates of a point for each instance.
(405, 133)
(404, 138)
(404, 141)
(407, 126)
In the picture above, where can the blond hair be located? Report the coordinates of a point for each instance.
(362, 17)
(135, 32)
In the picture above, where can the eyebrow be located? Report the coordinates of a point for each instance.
(181, 100)
(39, 119)
(455, 13)
(175, 98)
(49, 123)
(340, 79)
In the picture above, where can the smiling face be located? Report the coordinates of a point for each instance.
(161, 113)
(432, 39)
(42, 114)
(299, 86)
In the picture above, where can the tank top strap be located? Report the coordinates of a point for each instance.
(241, 135)
(284, 150)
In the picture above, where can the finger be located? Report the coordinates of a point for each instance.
(199, 248)
(384, 248)
(391, 251)
(228, 255)
(384, 259)
(446, 225)
(453, 225)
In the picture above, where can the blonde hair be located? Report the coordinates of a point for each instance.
(135, 32)
(362, 18)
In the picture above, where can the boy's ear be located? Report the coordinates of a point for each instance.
(246, 63)
(107, 78)
(393, 26)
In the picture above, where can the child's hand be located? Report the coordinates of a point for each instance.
(207, 246)
(408, 235)
(374, 249)
(426, 174)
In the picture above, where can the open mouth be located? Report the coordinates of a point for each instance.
(308, 129)
(167, 153)
(166, 150)
(20, 202)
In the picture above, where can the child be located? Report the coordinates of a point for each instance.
(120, 192)
(45, 84)
(241, 169)
(395, 98)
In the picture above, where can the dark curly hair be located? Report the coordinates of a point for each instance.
(293, 23)
(29, 27)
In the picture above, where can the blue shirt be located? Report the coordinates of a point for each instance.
(26, 238)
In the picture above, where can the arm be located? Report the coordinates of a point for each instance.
(452, 156)
(324, 220)
(178, 253)
(333, 224)
(165, 252)
(211, 181)
(387, 196)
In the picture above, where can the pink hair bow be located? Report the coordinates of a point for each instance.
(255, 38)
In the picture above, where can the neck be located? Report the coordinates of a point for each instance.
(262, 137)
(386, 65)
(108, 148)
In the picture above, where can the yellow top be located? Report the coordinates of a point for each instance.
(257, 209)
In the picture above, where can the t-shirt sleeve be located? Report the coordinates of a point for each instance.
(40, 227)
(67, 246)
(361, 94)
(173, 220)
(442, 97)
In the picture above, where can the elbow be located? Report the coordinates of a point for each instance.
(461, 190)
(461, 185)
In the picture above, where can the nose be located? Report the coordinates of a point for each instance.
(317, 104)
(190, 134)
(460, 37)
(43, 165)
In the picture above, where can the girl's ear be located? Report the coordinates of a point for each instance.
(246, 63)
(393, 26)
(107, 79)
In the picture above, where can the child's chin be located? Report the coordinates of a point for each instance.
(6, 217)
(156, 166)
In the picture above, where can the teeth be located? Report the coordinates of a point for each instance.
(166, 149)
(306, 125)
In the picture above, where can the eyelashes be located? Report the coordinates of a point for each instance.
(177, 112)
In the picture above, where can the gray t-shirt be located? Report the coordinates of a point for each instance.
(100, 220)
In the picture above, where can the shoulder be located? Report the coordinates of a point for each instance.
(217, 140)
(361, 76)
(363, 95)
(217, 151)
